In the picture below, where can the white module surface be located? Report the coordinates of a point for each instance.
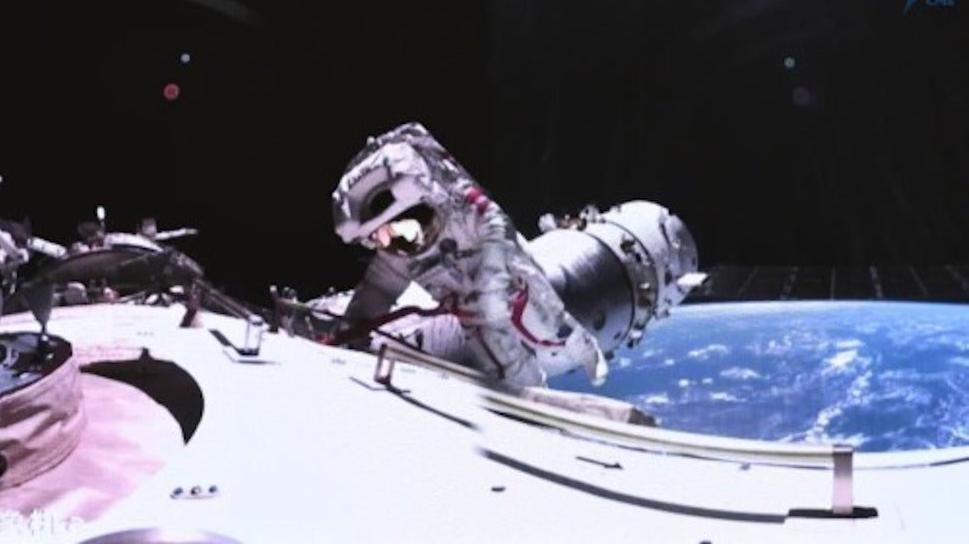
(303, 446)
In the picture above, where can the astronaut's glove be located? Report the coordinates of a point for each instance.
(547, 222)
(598, 374)
(583, 348)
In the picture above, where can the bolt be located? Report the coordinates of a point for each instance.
(627, 244)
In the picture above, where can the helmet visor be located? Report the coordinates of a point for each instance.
(407, 234)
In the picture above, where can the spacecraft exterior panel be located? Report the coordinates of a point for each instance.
(307, 446)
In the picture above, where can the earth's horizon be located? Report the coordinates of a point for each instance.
(880, 375)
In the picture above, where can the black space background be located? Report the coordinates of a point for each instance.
(551, 104)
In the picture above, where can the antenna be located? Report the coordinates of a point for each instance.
(40, 300)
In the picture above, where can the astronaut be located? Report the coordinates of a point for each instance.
(92, 237)
(430, 222)
(13, 254)
(148, 228)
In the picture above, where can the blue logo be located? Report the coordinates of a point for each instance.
(909, 4)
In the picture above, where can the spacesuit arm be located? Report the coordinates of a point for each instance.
(376, 293)
(495, 234)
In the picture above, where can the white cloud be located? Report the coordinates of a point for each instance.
(959, 342)
(819, 430)
(961, 361)
(738, 373)
(841, 361)
(853, 343)
(709, 351)
(653, 398)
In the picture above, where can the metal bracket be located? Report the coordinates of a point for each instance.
(842, 497)
(384, 371)
(251, 343)
(253, 339)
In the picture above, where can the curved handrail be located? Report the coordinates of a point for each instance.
(834, 456)
(706, 446)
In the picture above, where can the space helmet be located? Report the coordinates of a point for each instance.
(393, 194)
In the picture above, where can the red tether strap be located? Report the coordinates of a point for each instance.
(364, 328)
(517, 310)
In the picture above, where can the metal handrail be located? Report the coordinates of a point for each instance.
(838, 457)
(388, 353)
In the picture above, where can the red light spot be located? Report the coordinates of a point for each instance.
(171, 91)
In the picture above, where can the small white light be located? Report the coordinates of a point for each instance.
(100, 213)
(1, 179)
(185, 58)
(790, 63)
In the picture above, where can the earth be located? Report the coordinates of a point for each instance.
(882, 376)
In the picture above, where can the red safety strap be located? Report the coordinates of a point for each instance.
(365, 327)
(518, 310)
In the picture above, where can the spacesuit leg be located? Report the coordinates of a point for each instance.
(560, 341)
(500, 354)
(582, 347)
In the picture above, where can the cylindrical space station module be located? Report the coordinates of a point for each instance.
(619, 269)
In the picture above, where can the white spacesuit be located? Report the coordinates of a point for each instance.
(405, 196)
(12, 256)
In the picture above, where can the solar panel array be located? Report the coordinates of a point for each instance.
(941, 283)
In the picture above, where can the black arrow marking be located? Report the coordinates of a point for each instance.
(644, 502)
(602, 464)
